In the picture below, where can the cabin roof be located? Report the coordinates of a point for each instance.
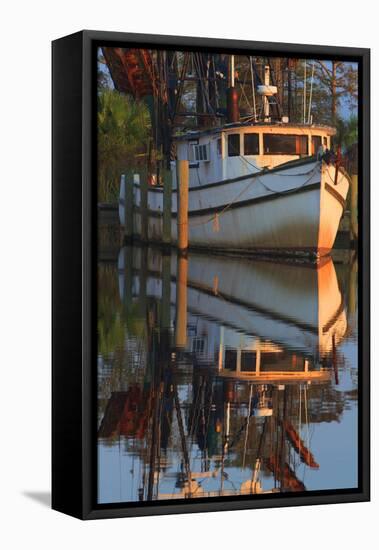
(194, 134)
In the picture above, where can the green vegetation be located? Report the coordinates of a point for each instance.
(115, 320)
(111, 316)
(337, 82)
(123, 131)
(347, 132)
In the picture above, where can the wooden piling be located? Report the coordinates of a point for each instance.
(353, 280)
(167, 206)
(182, 219)
(166, 292)
(354, 208)
(181, 302)
(121, 202)
(128, 277)
(352, 167)
(144, 206)
(142, 297)
(129, 206)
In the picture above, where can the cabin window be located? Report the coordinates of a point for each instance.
(275, 362)
(198, 345)
(191, 153)
(230, 359)
(251, 144)
(200, 152)
(248, 361)
(302, 145)
(316, 144)
(283, 144)
(233, 145)
(219, 147)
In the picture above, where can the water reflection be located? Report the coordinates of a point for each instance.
(222, 376)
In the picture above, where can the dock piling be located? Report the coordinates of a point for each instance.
(181, 302)
(144, 206)
(166, 291)
(182, 219)
(354, 208)
(167, 206)
(129, 206)
(128, 277)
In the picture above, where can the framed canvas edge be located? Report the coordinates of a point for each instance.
(90, 39)
(67, 281)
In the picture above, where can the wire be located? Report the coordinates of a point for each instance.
(305, 89)
(253, 87)
(255, 178)
(310, 93)
(331, 179)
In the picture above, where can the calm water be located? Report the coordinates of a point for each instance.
(224, 376)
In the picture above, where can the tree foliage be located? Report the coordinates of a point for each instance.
(340, 81)
(123, 132)
(330, 86)
(347, 131)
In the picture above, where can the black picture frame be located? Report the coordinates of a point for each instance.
(74, 279)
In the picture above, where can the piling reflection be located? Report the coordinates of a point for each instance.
(224, 376)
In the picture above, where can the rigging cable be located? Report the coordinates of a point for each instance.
(310, 93)
(212, 218)
(253, 88)
(305, 90)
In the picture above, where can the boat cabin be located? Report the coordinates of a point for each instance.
(238, 149)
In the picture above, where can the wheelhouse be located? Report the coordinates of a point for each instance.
(237, 149)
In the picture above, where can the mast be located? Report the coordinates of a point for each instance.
(305, 92)
(232, 94)
(265, 98)
(266, 90)
(289, 90)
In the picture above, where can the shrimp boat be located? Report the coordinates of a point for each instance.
(236, 303)
(261, 186)
(260, 199)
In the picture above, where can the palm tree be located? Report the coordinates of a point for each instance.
(347, 132)
(123, 131)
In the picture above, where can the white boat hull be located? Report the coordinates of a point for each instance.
(294, 209)
(293, 305)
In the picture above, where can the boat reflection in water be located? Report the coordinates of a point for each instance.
(223, 376)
